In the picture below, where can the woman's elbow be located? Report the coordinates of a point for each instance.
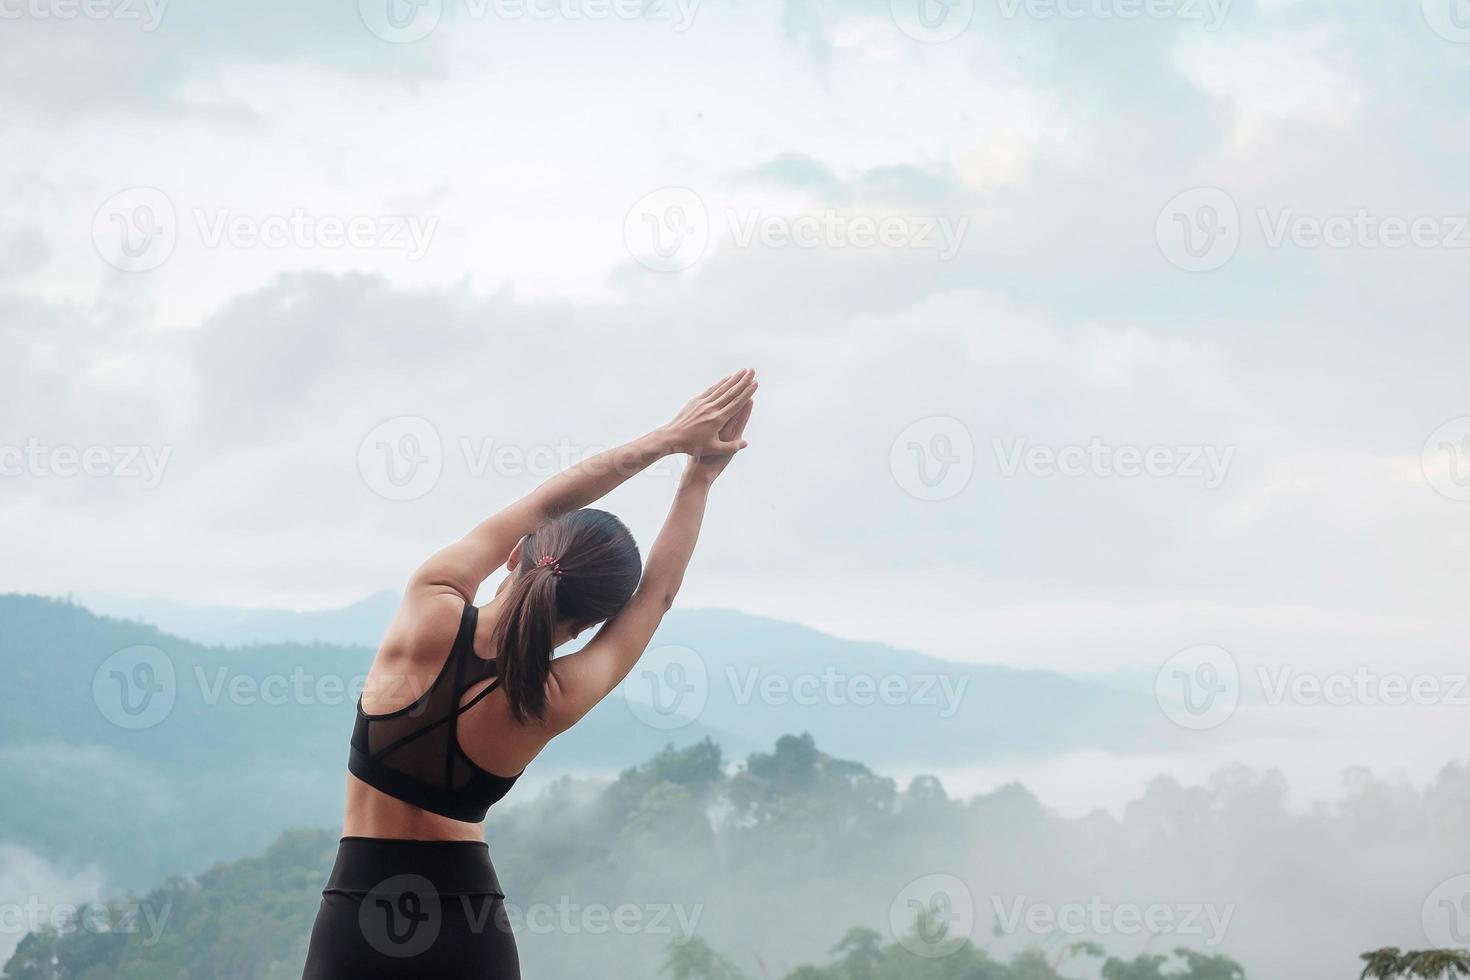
(660, 597)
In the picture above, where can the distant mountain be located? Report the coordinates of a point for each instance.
(146, 753)
(164, 753)
(773, 862)
(360, 624)
(764, 677)
(701, 851)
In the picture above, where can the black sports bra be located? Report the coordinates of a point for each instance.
(413, 754)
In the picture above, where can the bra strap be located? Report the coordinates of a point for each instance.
(464, 640)
(479, 697)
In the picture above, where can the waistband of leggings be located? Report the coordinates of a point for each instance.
(380, 865)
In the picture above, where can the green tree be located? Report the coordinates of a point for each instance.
(1434, 964)
(694, 960)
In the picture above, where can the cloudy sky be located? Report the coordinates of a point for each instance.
(1089, 330)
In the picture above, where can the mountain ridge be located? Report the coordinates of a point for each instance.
(248, 740)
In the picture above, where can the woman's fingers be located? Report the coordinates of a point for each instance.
(734, 383)
(724, 387)
(711, 389)
(733, 425)
(731, 400)
(729, 441)
(743, 417)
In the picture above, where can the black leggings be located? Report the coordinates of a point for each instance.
(426, 910)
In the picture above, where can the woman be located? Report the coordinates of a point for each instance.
(460, 699)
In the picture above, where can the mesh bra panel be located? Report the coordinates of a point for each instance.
(413, 754)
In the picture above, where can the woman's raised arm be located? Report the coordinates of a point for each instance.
(696, 430)
(579, 680)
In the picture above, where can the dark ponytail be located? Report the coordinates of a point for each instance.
(579, 568)
(522, 640)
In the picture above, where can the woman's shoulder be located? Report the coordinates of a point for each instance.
(424, 628)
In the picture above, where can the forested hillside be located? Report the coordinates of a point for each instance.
(238, 744)
(645, 851)
(763, 868)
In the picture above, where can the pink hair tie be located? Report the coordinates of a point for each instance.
(546, 560)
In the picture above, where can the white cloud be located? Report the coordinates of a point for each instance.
(528, 323)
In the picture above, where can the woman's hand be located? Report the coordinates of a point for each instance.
(702, 427)
(587, 676)
(706, 467)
